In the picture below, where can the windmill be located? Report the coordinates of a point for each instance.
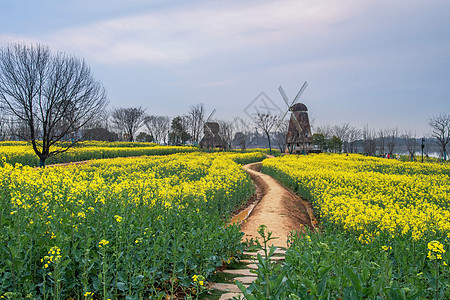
(299, 136)
(211, 138)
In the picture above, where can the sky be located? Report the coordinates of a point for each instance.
(376, 63)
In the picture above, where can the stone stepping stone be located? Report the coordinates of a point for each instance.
(228, 296)
(246, 279)
(252, 261)
(277, 251)
(253, 266)
(244, 272)
(225, 287)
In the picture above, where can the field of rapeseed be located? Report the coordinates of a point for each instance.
(386, 227)
(129, 227)
(22, 152)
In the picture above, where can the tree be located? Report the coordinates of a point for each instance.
(382, 141)
(440, 130)
(178, 134)
(144, 137)
(391, 140)
(226, 132)
(342, 132)
(281, 135)
(369, 144)
(266, 122)
(196, 120)
(411, 143)
(128, 120)
(158, 126)
(320, 141)
(335, 144)
(52, 96)
(353, 135)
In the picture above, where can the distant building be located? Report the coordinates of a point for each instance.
(211, 138)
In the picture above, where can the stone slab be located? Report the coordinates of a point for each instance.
(253, 266)
(228, 296)
(246, 279)
(225, 287)
(243, 272)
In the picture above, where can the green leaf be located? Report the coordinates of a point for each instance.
(353, 278)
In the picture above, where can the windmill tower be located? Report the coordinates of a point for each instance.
(299, 136)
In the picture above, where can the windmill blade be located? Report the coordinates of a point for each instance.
(302, 89)
(285, 97)
(205, 123)
(210, 116)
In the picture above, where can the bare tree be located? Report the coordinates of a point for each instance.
(3, 126)
(196, 120)
(369, 144)
(241, 127)
(266, 122)
(281, 136)
(353, 135)
(440, 130)
(342, 132)
(226, 131)
(392, 135)
(53, 96)
(158, 126)
(326, 130)
(382, 141)
(411, 143)
(128, 120)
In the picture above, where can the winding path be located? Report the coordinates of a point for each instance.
(279, 209)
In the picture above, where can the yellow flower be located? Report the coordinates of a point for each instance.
(386, 248)
(118, 218)
(201, 282)
(103, 243)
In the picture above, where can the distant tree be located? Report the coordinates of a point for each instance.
(440, 130)
(392, 136)
(195, 121)
(382, 136)
(50, 96)
(266, 122)
(369, 145)
(353, 136)
(178, 134)
(158, 127)
(3, 126)
(128, 120)
(241, 139)
(144, 137)
(281, 135)
(411, 143)
(342, 132)
(320, 141)
(241, 127)
(226, 132)
(99, 134)
(335, 144)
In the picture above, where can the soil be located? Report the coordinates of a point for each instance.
(279, 209)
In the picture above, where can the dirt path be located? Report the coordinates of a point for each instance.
(279, 209)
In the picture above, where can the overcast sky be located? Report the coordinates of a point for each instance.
(381, 63)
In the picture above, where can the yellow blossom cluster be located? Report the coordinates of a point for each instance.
(370, 195)
(435, 250)
(54, 255)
